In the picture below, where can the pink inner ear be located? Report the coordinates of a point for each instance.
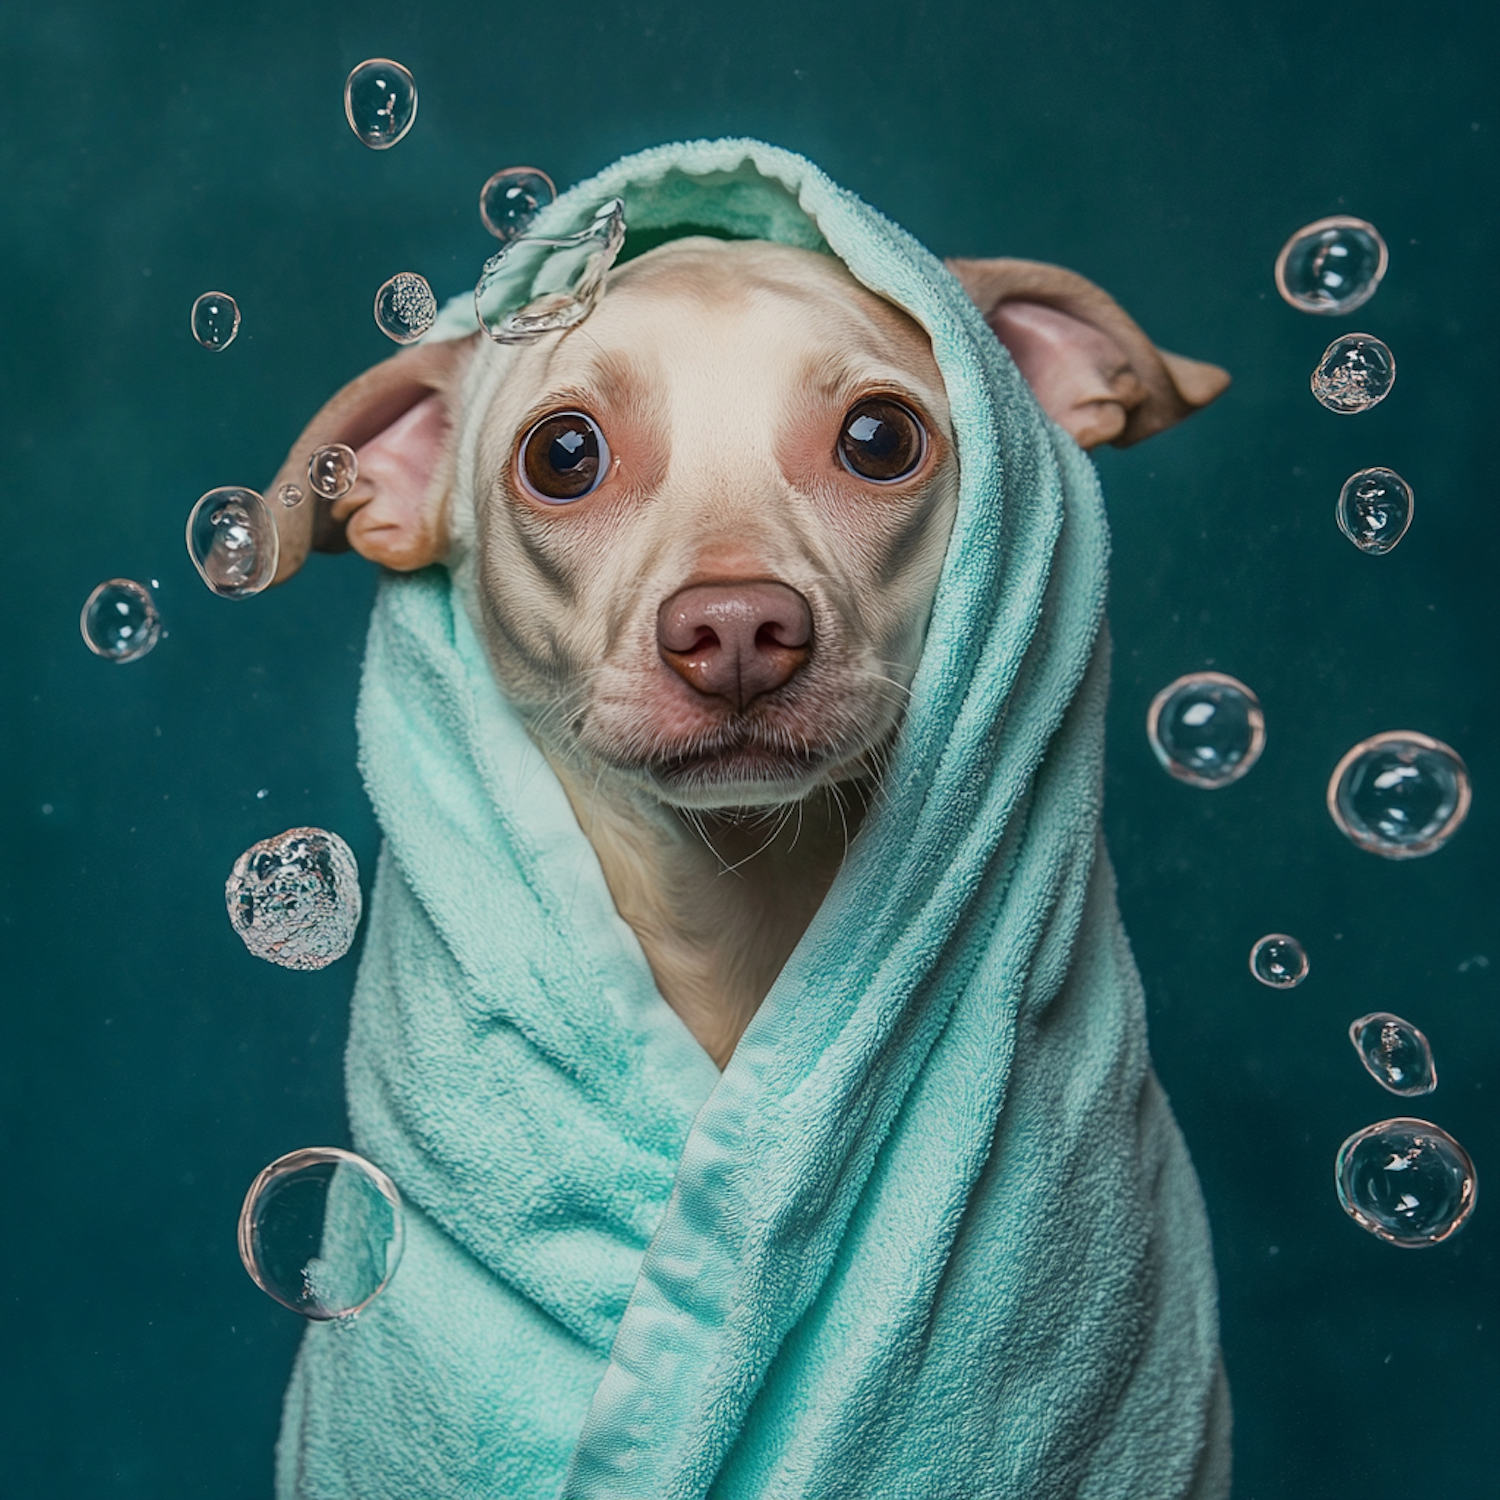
(398, 463)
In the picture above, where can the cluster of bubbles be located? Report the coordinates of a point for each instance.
(321, 1231)
(405, 307)
(294, 899)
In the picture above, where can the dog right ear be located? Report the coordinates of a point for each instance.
(400, 417)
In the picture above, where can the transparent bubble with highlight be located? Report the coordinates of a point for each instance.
(1206, 729)
(1332, 266)
(405, 307)
(1406, 1181)
(291, 495)
(1374, 509)
(1399, 794)
(119, 620)
(321, 1231)
(380, 102)
(1355, 373)
(232, 540)
(294, 899)
(215, 320)
(1395, 1054)
(332, 470)
(512, 198)
(1279, 961)
(540, 284)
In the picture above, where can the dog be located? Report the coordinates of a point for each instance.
(700, 536)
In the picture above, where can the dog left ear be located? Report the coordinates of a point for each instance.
(1089, 363)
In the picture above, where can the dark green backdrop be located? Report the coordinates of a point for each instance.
(154, 150)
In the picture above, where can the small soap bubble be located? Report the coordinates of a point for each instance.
(405, 307)
(1396, 1055)
(1406, 1181)
(538, 284)
(291, 495)
(321, 1231)
(1400, 794)
(1206, 728)
(215, 320)
(119, 620)
(232, 540)
(1355, 373)
(511, 199)
(380, 102)
(1332, 266)
(1279, 961)
(294, 899)
(1374, 509)
(332, 470)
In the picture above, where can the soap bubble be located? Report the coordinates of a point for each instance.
(380, 102)
(558, 279)
(1406, 1181)
(1395, 1053)
(119, 620)
(511, 199)
(232, 541)
(1400, 794)
(1206, 728)
(215, 320)
(321, 1232)
(1279, 961)
(1374, 509)
(332, 470)
(291, 495)
(1332, 266)
(1354, 373)
(294, 899)
(405, 307)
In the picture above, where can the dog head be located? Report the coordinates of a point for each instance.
(701, 532)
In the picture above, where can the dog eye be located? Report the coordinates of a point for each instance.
(881, 440)
(564, 457)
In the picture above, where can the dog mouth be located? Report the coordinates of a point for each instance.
(739, 754)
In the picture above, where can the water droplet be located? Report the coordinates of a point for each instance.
(332, 470)
(1395, 1053)
(1332, 266)
(119, 620)
(232, 540)
(405, 307)
(1207, 728)
(1374, 509)
(294, 899)
(380, 102)
(321, 1231)
(1400, 794)
(1279, 961)
(1355, 373)
(539, 284)
(291, 495)
(1406, 1181)
(511, 199)
(215, 320)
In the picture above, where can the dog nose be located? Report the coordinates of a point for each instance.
(734, 640)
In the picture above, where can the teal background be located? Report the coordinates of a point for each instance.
(151, 1066)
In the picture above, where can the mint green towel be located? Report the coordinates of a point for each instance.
(933, 1233)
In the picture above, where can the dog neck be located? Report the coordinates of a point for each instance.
(718, 900)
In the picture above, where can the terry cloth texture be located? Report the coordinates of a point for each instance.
(933, 1233)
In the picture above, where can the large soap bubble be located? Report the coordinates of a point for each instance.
(1206, 728)
(1279, 961)
(215, 320)
(232, 540)
(119, 620)
(1355, 372)
(511, 199)
(1406, 1181)
(1399, 794)
(380, 102)
(1332, 266)
(561, 279)
(1375, 508)
(321, 1232)
(405, 307)
(294, 899)
(1396, 1055)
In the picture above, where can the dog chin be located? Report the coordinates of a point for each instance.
(748, 777)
